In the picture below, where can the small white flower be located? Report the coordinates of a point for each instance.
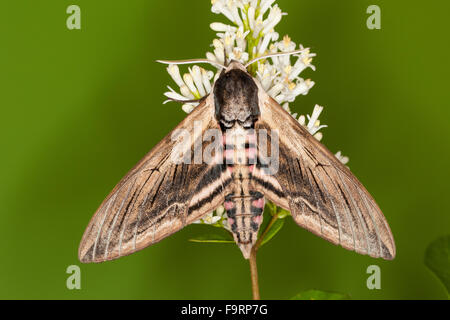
(286, 107)
(213, 217)
(272, 36)
(220, 211)
(301, 119)
(276, 89)
(314, 122)
(188, 79)
(265, 4)
(303, 62)
(186, 92)
(318, 136)
(188, 107)
(286, 45)
(313, 125)
(222, 27)
(273, 19)
(342, 158)
(206, 79)
(174, 72)
(173, 95)
(198, 81)
(220, 6)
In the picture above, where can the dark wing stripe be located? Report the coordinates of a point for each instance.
(157, 189)
(310, 155)
(218, 190)
(267, 185)
(186, 172)
(293, 185)
(300, 168)
(212, 174)
(174, 174)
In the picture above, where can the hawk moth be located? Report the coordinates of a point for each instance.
(159, 196)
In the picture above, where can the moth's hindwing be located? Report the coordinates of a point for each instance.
(321, 193)
(157, 197)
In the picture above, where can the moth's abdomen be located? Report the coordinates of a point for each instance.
(244, 206)
(245, 217)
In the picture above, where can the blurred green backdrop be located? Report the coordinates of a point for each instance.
(80, 108)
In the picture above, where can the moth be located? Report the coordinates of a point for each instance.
(159, 196)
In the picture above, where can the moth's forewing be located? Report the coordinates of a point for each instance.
(322, 194)
(157, 197)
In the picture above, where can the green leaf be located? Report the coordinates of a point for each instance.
(283, 213)
(437, 259)
(217, 237)
(273, 231)
(320, 295)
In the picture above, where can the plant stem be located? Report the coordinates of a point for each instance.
(253, 265)
(254, 275)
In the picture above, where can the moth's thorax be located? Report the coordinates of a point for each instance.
(236, 98)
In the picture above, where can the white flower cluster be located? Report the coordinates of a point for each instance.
(193, 85)
(281, 79)
(251, 35)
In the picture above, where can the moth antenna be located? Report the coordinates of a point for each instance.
(278, 54)
(180, 101)
(185, 101)
(192, 61)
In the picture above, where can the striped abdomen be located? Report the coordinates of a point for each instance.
(244, 206)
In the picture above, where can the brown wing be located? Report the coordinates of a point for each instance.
(157, 197)
(321, 193)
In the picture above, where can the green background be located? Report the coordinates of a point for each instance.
(79, 108)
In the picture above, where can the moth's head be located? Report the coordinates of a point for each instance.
(236, 97)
